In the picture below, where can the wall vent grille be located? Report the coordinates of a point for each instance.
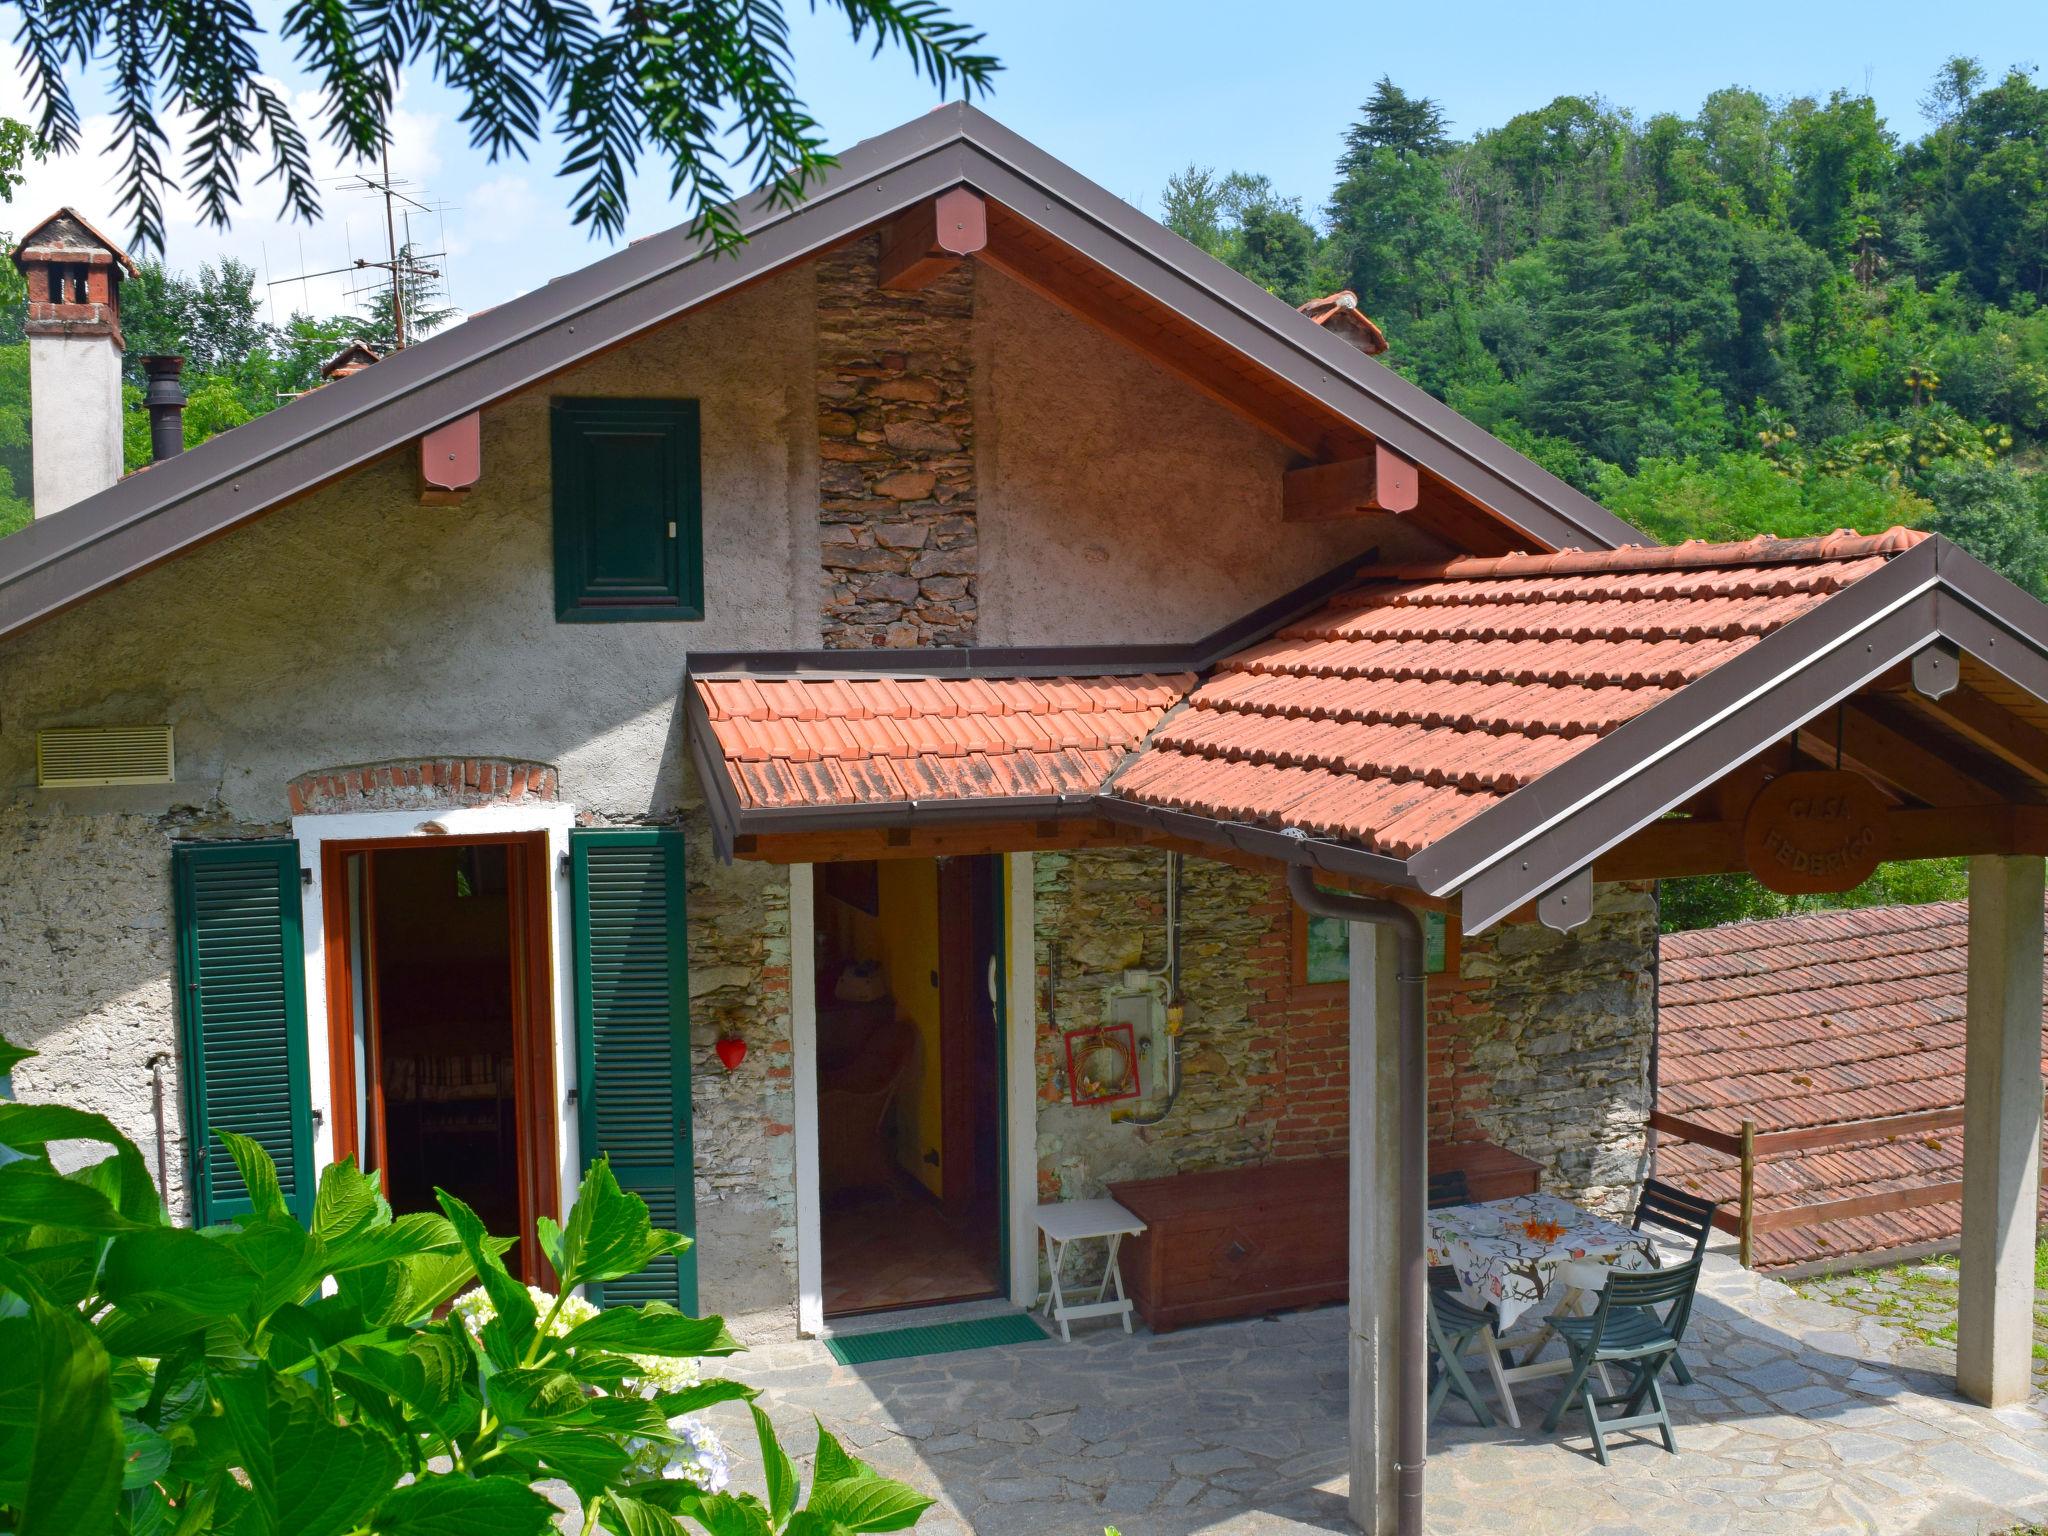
(79, 755)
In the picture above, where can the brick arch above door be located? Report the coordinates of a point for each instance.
(434, 783)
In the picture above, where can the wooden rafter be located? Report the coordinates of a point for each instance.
(1680, 846)
(932, 238)
(1895, 760)
(1379, 481)
(1985, 725)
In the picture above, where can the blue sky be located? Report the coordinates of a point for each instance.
(1129, 91)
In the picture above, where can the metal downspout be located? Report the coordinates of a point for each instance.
(1410, 1415)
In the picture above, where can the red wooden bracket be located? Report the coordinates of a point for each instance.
(451, 460)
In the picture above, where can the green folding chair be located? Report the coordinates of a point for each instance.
(1455, 1331)
(1625, 1331)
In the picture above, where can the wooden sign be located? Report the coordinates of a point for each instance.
(1812, 832)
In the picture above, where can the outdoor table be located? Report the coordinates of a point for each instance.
(1065, 1221)
(1507, 1252)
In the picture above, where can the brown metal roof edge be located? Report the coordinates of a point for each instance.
(1544, 833)
(146, 519)
(1042, 660)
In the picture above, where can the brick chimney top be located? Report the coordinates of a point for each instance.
(74, 277)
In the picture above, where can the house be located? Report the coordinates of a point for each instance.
(895, 725)
(1838, 1037)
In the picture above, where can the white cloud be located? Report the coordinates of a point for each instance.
(352, 222)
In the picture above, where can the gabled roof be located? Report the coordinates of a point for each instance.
(1484, 729)
(1819, 1019)
(63, 232)
(1429, 694)
(1049, 226)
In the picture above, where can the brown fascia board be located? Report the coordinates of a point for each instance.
(184, 501)
(1044, 660)
(1547, 831)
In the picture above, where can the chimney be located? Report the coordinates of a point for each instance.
(165, 398)
(353, 358)
(74, 276)
(1339, 313)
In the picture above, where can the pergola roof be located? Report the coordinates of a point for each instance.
(1494, 730)
(1820, 1019)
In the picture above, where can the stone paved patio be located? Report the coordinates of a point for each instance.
(1806, 1419)
(1919, 1300)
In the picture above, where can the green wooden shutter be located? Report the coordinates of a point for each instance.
(633, 1036)
(242, 991)
(628, 510)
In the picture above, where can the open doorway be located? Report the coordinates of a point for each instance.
(439, 1025)
(909, 1082)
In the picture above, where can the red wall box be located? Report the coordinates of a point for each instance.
(1236, 1242)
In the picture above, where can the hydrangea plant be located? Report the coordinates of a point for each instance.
(362, 1375)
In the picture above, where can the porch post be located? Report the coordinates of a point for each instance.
(1375, 1207)
(2001, 1130)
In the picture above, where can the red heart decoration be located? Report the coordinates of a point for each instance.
(732, 1051)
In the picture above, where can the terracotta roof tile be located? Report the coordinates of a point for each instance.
(1822, 1018)
(823, 741)
(1409, 704)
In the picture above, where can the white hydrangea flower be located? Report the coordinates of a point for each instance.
(699, 1458)
(662, 1374)
(658, 1374)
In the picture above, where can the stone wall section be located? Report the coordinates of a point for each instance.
(1540, 1042)
(896, 482)
(741, 1121)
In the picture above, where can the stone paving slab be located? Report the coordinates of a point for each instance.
(1806, 1419)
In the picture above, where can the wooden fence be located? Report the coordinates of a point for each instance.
(1749, 1144)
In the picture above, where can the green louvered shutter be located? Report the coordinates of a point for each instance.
(633, 1036)
(242, 994)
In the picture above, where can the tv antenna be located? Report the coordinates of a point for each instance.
(404, 266)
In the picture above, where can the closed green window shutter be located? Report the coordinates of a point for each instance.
(633, 1036)
(628, 510)
(242, 989)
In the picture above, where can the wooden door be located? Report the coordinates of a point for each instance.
(969, 1037)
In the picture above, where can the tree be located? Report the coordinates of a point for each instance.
(705, 86)
(1998, 515)
(211, 320)
(1392, 119)
(1192, 207)
(421, 293)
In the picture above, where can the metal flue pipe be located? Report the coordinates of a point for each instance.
(1411, 1424)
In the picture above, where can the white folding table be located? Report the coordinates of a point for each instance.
(1062, 1222)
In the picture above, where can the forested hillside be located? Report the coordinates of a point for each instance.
(1768, 317)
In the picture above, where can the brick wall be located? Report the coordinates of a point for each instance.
(1540, 1041)
(896, 485)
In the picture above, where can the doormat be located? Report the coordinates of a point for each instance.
(934, 1339)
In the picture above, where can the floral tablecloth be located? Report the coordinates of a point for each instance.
(1507, 1251)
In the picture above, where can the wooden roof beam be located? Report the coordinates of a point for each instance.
(1380, 481)
(931, 238)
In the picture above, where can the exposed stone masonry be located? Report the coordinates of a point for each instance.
(895, 456)
(1540, 1043)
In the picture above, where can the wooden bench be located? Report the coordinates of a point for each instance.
(1238, 1242)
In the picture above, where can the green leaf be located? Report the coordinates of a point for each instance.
(776, 1468)
(12, 1055)
(867, 1503)
(808, 1522)
(832, 1464)
(33, 1196)
(718, 1389)
(74, 1478)
(653, 1329)
(722, 1514)
(259, 1173)
(288, 1262)
(587, 1461)
(145, 1454)
(32, 1127)
(329, 1476)
(530, 1395)
(845, 1490)
(608, 1235)
(176, 1265)
(624, 1516)
(461, 1506)
(508, 1335)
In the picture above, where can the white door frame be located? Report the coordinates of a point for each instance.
(1020, 1075)
(553, 818)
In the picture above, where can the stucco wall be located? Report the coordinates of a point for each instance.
(1119, 503)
